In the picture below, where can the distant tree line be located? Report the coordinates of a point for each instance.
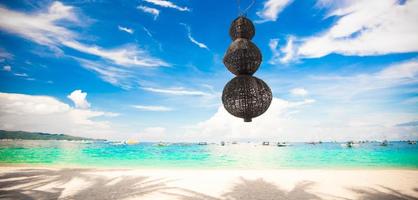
(23, 135)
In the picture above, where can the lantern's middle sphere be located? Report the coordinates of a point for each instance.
(246, 97)
(242, 57)
(242, 27)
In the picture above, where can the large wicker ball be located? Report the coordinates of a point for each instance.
(246, 97)
(242, 57)
(242, 27)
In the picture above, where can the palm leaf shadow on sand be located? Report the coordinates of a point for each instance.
(27, 184)
(253, 190)
(261, 190)
(384, 193)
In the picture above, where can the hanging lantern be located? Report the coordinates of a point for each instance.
(244, 96)
(242, 57)
(242, 27)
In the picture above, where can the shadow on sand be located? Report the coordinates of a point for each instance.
(259, 189)
(31, 184)
(49, 184)
(254, 190)
(383, 193)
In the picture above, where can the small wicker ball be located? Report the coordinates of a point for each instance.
(242, 57)
(246, 97)
(242, 27)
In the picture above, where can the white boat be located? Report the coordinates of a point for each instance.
(283, 144)
(350, 144)
(384, 143)
(131, 142)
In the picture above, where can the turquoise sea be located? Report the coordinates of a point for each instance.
(238, 156)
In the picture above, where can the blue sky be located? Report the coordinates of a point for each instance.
(152, 69)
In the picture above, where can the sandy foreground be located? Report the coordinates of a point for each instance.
(144, 184)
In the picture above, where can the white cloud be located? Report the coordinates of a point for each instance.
(41, 27)
(374, 27)
(288, 51)
(153, 108)
(120, 77)
(47, 114)
(271, 9)
(79, 99)
(275, 58)
(276, 122)
(5, 55)
(45, 28)
(177, 91)
(125, 56)
(295, 121)
(347, 87)
(284, 54)
(189, 35)
(167, 4)
(21, 74)
(126, 29)
(148, 32)
(7, 68)
(153, 11)
(299, 92)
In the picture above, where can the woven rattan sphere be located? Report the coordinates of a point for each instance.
(242, 57)
(242, 27)
(246, 97)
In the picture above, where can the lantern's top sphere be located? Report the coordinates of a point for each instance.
(246, 97)
(242, 27)
(242, 57)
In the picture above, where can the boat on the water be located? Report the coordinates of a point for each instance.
(131, 142)
(266, 143)
(202, 143)
(384, 143)
(350, 144)
(283, 144)
(161, 144)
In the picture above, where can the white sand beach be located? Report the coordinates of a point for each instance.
(182, 184)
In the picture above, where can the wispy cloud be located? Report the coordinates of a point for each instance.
(282, 55)
(176, 91)
(21, 74)
(125, 29)
(189, 35)
(5, 55)
(153, 11)
(271, 10)
(116, 76)
(126, 56)
(346, 87)
(366, 28)
(148, 32)
(299, 92)
(153, 108)
(406, 124)
(167, 4)
(45, 28)
(7, 68)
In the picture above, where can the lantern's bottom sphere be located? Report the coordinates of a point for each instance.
(246, 97)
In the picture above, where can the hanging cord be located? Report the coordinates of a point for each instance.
(244, 12)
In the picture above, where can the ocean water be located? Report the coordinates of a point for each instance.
(238, 156)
